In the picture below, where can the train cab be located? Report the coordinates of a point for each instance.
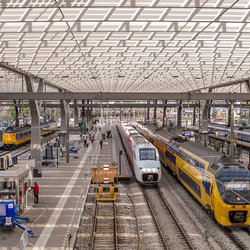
(233, 202)
(146, 160)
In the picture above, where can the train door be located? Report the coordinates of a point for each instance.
(212, 197)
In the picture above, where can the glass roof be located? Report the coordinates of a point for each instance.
(126, 45)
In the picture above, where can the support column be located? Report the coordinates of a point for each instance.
(40, 89)
(194, 116)
(229, 115)
(164, 113)
(179, 115)
(64, 131)
(204, 122)
(83, 109)
(232, 130)
(204, 110)
(148, 111)
(35, 145)
(17, 113)
(247, 83)
(75, 113)
(155, 109)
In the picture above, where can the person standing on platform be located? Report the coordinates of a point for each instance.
(36, 192)
(101, 143)
(92, 137)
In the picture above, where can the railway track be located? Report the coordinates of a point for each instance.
(104, 234)
(240, 238)
(173, 235)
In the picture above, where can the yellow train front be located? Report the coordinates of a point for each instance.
(15, 136)
(223, 188)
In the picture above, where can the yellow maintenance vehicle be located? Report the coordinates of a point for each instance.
(107, 180)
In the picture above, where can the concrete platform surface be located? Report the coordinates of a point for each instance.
(55, 219)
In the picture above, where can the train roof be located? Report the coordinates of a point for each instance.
(13, 129)
(199, 149)
(138, 139)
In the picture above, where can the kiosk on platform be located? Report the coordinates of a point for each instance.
(16, 182)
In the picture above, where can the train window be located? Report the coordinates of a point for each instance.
(147, 154)
(215, 167)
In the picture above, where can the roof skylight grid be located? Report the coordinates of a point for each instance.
(205, 43)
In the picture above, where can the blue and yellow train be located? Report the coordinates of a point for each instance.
(13, 137)
(222, 187)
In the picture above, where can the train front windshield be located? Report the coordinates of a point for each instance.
(147, 154)
(234, 186)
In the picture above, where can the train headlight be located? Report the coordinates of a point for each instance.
(159, 170)
(140, 169)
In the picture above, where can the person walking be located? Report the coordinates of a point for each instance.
(101, 143)
(36, 192)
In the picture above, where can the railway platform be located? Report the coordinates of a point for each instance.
(55, 219)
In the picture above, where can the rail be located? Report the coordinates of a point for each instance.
(95, 226)
(173, 216)
(155, 218)
(241, 245)
(137, 227)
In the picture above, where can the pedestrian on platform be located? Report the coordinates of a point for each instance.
(103, 136)
(36, 192)
(101, 143)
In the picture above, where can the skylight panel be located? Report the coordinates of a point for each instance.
(71, 14)
(151, 14)
(180, 14)
(123, 14)
(207, 15)
(97, 14)
(10, 36)
(234, 15)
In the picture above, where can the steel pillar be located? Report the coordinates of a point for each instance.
(203, 119)
(194, 116)
(75, 114)
(155, 109)
(17, 113)
(35, 130)
(232, 130)
(179, 115)
(40, 89)
(83, 109)
(204, 122)
(164, 113)
(247, 83)
(64, 132)
(148, 112)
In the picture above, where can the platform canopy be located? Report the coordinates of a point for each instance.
(126, 45)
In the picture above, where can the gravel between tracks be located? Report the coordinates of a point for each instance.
(206, 232)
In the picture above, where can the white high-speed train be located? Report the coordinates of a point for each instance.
(143, 156)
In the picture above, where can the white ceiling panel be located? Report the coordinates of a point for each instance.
(156, 45)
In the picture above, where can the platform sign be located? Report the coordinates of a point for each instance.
(187, 133)
(222, 133)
